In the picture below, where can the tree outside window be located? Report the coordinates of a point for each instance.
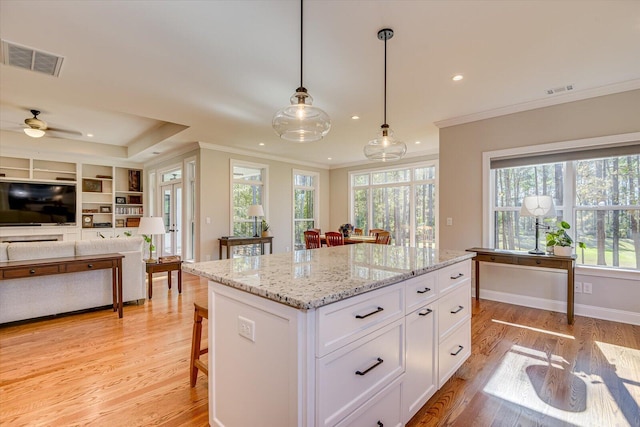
(305, 201)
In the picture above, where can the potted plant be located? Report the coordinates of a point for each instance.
(560, 239)
(265, 229)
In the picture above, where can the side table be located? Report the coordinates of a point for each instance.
(160, 267)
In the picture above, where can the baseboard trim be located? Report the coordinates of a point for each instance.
(561, 307)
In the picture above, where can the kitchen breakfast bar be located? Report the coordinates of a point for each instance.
(341, 336)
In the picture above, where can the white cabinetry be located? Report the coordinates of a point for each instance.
(369, 360)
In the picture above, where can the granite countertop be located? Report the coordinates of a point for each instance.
(312, 278)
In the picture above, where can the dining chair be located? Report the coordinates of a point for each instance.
(311, 239)
(375, 231)
(317, 230)
(334, 238)
(358, 232)
(383, 237)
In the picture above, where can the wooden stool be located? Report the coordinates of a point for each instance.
(201, 311)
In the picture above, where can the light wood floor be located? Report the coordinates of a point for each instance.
(528, 368)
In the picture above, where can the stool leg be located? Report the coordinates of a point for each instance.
(195, 345)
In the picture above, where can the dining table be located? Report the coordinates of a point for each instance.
(351, 240)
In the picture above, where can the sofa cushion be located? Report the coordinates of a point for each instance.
(108, 246)
(38, 250)
(3, 252)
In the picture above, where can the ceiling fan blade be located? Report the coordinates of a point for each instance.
(65, 131)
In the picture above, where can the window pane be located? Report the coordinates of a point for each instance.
(299, 227)
(362, 179)
(515, 233)
(612, 237)
(423, 174)
(513, 184)
(388, 177)
(425, 215)
(361, 208)
(304, 208)
(608, 182)
(170, 176)
(304, 180)
(247, 173)
(391, 208)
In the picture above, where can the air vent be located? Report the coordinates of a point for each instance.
(31, 59)
(559, 89)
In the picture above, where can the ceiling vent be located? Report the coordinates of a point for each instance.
(560, 89)
(31, 59)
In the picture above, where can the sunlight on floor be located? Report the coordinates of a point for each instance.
(520, 379)
(625, 362)
(557, 334)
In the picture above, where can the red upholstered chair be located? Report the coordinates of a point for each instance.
(334, 238)
(383, 237)
(312, 239)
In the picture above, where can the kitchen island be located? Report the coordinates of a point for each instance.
(340, 336)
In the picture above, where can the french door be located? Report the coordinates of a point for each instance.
(171, 196)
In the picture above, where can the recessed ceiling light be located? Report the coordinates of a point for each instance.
(329, 158)
(90, 135)
(457, 77)
(261, 144)
(355, 117)
(417, 142)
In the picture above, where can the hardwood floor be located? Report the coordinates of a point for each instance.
(528, 368)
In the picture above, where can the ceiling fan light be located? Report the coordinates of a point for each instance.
(385, 148)
(301, 121)
(34, 133)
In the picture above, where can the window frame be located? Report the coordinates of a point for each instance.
(488, 212)
(411, 183)
(233, 163)
(316, 200)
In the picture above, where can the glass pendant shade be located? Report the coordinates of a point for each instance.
(301, 121)
(385, 147)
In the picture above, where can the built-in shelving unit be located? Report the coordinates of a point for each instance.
(15, 168)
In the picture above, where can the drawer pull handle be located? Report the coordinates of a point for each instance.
(538, 261)
(32, 271)
(360, 316)
(380, 424)
(459, 275)
(90, 266)
(424, 313)
(424, 291)
(458, 310)
(378, 362)
(459, 350)
(492, 258)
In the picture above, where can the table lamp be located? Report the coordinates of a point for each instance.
(538, 207)
(255, 211)
(149, 226)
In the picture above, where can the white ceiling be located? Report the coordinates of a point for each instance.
(223, 68)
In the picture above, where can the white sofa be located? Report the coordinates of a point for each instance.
(28, 298)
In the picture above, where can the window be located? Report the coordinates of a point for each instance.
(596, 192)
(305, 205)
(248, 184)
(401, 200)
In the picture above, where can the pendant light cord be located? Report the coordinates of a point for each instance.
(385, 80)
(301, 40)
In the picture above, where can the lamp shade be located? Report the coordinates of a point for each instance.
(537, 206)
(151, 225)
(255, 210)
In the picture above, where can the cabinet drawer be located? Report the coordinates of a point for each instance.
(453, 275)
(453, 351)
(383, 409)
(453, 309)
(503, 259)
(86, 266)
(347, 320)
(18, 272)
(421, 290)
(348, 377)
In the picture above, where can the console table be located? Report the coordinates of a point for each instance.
(159, 267)
(499, 256)
(73, 264)
(240, 241)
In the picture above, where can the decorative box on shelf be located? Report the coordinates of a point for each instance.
(133, 222)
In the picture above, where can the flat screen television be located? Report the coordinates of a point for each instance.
(29, 203)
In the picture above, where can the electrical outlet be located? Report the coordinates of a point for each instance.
(288, 249)
(587, 287)
(449, 221)
(207, 257)
(577, 287)
(247, 328)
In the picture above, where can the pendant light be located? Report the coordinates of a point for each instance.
(385, 147)
(301, 121)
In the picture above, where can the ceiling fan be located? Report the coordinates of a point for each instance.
(37, 128)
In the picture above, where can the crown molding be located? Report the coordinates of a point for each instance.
(541, 103)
